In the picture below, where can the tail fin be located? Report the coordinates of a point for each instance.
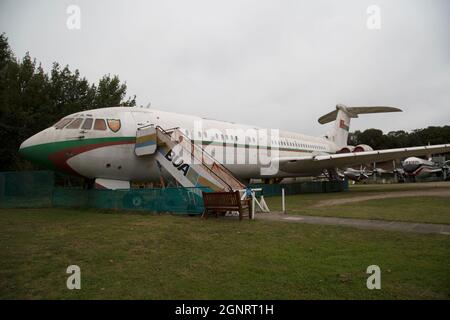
(342, 116)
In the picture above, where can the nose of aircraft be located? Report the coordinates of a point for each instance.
(34, 148)
(24, 145)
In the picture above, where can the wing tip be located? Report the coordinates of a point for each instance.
(395, 109)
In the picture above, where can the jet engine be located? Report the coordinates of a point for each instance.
(346, 149)
(362, 147)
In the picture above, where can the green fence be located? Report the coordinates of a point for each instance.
(26, 189)
(36, 189)
(270, 190)
(176, 200)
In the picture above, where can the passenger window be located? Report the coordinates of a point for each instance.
(99, 124)
(114, 124)
(75, 124)
(87, 124)
(62, 123)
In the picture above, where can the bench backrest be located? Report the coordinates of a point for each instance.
(222, 199)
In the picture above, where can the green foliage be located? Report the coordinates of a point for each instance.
(110, 90)
(398, 139)
(32, 100)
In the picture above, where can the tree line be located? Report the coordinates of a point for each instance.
(399, 139)
(32, 99)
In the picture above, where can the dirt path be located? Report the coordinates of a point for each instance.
(360, 223)
(385, 195)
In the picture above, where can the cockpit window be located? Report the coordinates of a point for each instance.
(87, 124)
(75, 124)
(99, 124)
(114, 124)
(58, 123)
(62, 123)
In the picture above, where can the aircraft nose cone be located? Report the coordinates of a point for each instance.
(23, 146)
(21, 153)
(33, 149)
(26, 150)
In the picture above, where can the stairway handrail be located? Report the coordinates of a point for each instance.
(201, 160)
(208, 154)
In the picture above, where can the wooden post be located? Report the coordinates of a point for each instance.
(283, 204)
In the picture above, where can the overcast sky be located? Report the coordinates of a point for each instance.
(278, 64)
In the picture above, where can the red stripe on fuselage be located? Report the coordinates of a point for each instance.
(60, 158)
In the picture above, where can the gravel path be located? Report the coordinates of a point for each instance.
(360, 223)
(385, 195)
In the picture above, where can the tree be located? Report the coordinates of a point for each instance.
(110, 92)
(373, 138)
(32, 100)
(400, 139)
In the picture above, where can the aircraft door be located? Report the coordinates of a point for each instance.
(146, 141)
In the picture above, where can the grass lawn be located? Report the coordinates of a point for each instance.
(125, 256)
(415, 209)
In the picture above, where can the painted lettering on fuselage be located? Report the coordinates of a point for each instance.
(177, 162)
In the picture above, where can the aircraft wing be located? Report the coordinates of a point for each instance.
(341, 160)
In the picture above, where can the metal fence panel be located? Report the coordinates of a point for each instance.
(35, 189)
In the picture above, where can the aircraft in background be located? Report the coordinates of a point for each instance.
(356, 175)
(106, 145)
(411, 168)
(363, 173)
(414, 167)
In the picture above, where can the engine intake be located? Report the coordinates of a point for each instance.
(362, 147)
(346, 149)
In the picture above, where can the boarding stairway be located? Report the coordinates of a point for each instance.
(185, 160)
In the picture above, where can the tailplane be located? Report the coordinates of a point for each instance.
(342, 116)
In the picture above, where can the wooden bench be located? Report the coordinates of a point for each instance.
(221, 202)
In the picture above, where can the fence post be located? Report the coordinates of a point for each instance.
(253, 206)
(283, 204)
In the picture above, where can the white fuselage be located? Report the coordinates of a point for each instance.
(103, 153)
(414, 166)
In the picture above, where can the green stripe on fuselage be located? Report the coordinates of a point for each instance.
(40, 153)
